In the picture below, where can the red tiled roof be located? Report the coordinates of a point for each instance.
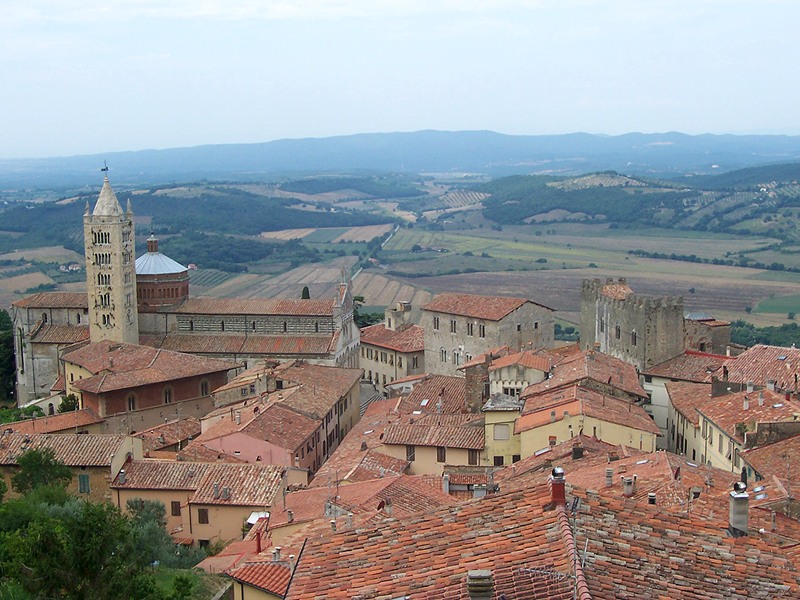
(577, 400)
(467, 436)
(120, 366)
(74, 450)
(495, 352)
(54, 300)
(598, 366)
(687, 397)
(60, 385)
(320, 386)
(452, 390)
(616, 291)
(528, 359)
(727, 411)
(169, 434)
(55, 423)
(248, 485)
(223, 343)
(282, 426)
(196, 452)
(271, 577)
(761, 363)
(60, 334)
(410, 338)
(258, 306)
(776, 459)
(692, 366)
(491, 308)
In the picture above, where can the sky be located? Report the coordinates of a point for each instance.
(91, 77)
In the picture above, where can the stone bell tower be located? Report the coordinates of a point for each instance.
(108, 237)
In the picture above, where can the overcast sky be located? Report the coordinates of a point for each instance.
(90, 77)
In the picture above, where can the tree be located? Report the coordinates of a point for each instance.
(306, 294)
(7, 364)
(68, 403)
(39, 468)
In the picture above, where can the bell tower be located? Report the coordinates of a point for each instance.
(108, 237)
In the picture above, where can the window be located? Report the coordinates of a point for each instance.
(501, 431)
(383, 357)
(204, 388)
(400, 362)
(436, 322)
(482, 331)
(415, 362)
(316, 327)
(131, 402)
(441, 454)
(617, 332)
(167, 395)
(516, 458)
(472, 457)
(452, 325)
(736, 457)
(176, 508)
(498, 461)
(83, 483)
(456, 358)
(202, 516)
(602, 325)
(536, 324)
(443, 355)
(519, 327)
(411, 453)
(252, 388)
(470, 329)
(720, 443)
(633, 338)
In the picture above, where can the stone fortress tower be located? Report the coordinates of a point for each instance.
(109, 242)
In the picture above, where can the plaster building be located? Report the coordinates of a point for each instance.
(393, 349)
(147, 301)
(644, 331)
(459, 327)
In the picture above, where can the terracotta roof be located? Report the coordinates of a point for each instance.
(120, 366)
(491, 308)
(438, 548)
(60, 385)
(55, 423)
(410, 338)
(248, 485)
(223, 343)
(169, 434)
(760, 364)
(270, 577)
(726, 411)
(320, 387)
(452, 390)
(258, 306)
(467, 436)
(776, 459)
(598, 366)
(692, 366)
(577, 400)
(495, 352)
(616, 291)
(687, 397)
(528, 359)
(54, 300)
(282, 426)
(74, 450)
(60, 334)
(196, 452)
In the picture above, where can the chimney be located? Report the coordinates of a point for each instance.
(446, 483)
(258, 542)
(577, 452)
(609, 476)
(226, 493)
(480, 585)
(761, 398)
(216, 491)
(651, 498)
(333, 525)
(387, 506)
(349, 520)
(750, 387)
(771, 385)
(479, 490)
(122, 477)
(746, 403)
(739, 505)
(277, 552)
(557, 486)
(289, 516)
(238, 417)
(628, 487)
(363, 445)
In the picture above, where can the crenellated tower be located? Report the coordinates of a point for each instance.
(109, 242)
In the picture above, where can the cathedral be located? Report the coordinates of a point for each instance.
(146, 300)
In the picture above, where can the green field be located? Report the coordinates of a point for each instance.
(781, 304)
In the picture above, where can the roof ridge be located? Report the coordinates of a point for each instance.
(581, 587)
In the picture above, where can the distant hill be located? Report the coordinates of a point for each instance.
(494, 154)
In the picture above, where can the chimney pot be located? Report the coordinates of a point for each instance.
(277, 552)
(609, 476)
(739, 505)
(750, 387)
(746, 403)
(333, 525)
(651, 498)
(446, 483)
(216, 491)
(290, 515)
(557, 486)
(480, 584)
(771, 385)
(258, 542)
(628, 489)
(122, 476)
(761, 398)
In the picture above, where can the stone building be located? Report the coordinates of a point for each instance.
(459, 327)
(644, 331)
(147, 301)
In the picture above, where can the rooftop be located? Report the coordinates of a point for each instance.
(761, 364)
(224, 343)
(155, 263)
(469, 436)
(258, 306)
(268, 576)
(74, 450)
(426, 394)
(692, 366)
(107, 203)
(169, 434)
(409, 338)
(729, 410)
(529, 359)
(62, 422)
(49, 333)
(688, 397)
(54, 300)
(490, 308)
